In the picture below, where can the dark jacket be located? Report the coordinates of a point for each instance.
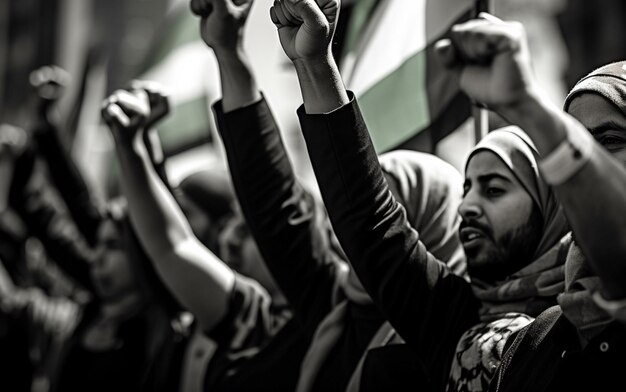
(427, 305)
(547, 356)
(288, 227)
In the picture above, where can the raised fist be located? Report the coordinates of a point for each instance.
(222, 22)
(158, 99)
(49, 82)
(13, 140)
(492, 58)
(126, 113)
(305, 27)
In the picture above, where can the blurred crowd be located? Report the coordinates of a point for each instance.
(392, 271)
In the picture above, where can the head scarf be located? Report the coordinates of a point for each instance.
(510, 305)
(430, 190)
(608, 81)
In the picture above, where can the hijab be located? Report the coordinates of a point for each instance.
(510, 305)
(608, 81)
(430, 191)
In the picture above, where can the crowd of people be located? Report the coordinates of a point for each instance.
(405, 275)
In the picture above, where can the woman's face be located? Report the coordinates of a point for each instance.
(604, 121)
(111, 271)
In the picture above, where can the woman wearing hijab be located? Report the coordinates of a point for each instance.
(579, 344)
(333, 316)
(511, 228)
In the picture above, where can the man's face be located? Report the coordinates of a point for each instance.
(501, 226)
(604, 121)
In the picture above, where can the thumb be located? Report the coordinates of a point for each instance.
(447, 53)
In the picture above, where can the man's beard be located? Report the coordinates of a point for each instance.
(510, 253)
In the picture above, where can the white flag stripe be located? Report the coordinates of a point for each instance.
(393, 36)
(188, 72)
(397, 31)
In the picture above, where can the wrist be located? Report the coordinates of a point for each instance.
(229, 54)
(315, 64)
(544, 123)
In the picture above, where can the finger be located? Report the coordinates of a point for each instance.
(308, 11)
(221, 6)
(489, 17)
(280, 14)
(273, 16)
(195, 7)
(480, 40)
(133, 103)
(117, 116)
(447, 53)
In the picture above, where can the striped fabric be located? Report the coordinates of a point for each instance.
(408, 100)
(180, 61)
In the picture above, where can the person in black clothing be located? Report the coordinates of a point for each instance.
(511, 229)
(125, 338)
(295, 240)
(579, 344)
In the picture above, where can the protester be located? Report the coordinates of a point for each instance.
(511, 228)
(578, 344)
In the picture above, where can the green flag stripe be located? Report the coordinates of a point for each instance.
(185, 126)
(182, 28)
(397, 106)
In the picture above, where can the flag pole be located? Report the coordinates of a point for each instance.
(480, 114)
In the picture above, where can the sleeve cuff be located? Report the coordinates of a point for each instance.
(569, 157)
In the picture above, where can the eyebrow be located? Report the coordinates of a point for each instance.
(488, 177)
(607, 125)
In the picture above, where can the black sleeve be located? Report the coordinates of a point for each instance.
(46, 219)
(250, 321)
(282, 216)
(428, 305)
(69, 181)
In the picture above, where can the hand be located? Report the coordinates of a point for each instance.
(222, 22)
(493, 59)
(305, 27)
(158, 100)
(13, 141)
(126, 113)
(50, 82)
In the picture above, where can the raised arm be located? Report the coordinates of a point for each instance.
(283, 218)
(196, 277)
(394, 266)
(49, 83)
(495, 69)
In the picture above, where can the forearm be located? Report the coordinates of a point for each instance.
(403, 279)
(69, 181)
(277, 209)
(6, 176)
(593, 198)
(321, 85)
(239, 87)
(197, 278)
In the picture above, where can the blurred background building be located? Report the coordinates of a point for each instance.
(106, 43)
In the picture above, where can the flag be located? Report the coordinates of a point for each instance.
(179, 60)
(407, 98)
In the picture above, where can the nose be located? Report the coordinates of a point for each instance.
(470, 207)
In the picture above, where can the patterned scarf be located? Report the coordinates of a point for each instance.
(510, 305)
(576, 302)
(430, 191)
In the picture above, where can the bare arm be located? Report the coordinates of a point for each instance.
(197, 278)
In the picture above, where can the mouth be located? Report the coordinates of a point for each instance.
(471, 236)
